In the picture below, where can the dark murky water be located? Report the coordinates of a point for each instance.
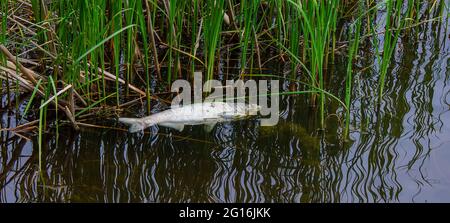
(398, 152)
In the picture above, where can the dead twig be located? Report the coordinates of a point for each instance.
(21, 127)
(71, 118)
(54, 96)
(24, 70)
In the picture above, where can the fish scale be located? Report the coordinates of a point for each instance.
(208, 113)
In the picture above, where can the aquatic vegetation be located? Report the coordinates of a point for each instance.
(318, 20)
(363, 111)
(133, 50)
(393, 25)
(248, 23)
(352, 54)
(212, 28)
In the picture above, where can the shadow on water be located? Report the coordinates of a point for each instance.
(398, 151)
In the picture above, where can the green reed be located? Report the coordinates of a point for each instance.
(195, 25)
(318, 20)
(94, 22)
(139, 8)
(294, 40)
(117, 25)
(129, 42)
(4, 21)
(43, 111)
(212, 28)
(175, 11)
(393, 25)
(248, 20)
(81, 42)
(352, 54)
(279, 8)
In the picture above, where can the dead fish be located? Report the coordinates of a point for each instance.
(208, 114)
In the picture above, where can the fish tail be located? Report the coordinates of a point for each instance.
(136, 124)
